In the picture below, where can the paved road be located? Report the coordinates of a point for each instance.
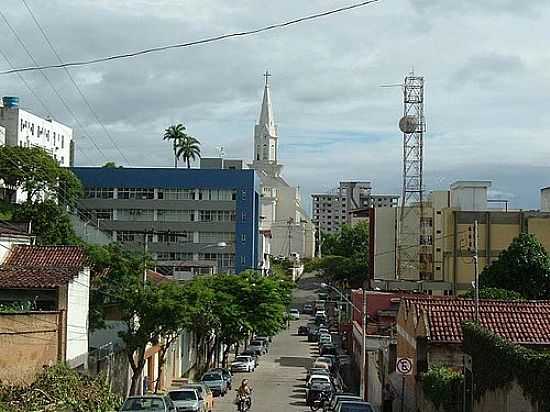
(279, 380)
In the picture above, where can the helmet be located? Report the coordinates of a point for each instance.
(244, 382)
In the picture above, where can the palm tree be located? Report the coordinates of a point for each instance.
(175, 133)
(189, 148)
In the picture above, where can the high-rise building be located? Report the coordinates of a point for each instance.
(189, 220)
(25, 129)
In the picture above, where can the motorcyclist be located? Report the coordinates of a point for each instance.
(245, 390)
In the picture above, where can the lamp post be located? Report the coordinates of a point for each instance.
(214, 245)
(364, 334)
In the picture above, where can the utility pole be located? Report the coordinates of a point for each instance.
(473, 244)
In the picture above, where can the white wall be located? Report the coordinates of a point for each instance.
(78, 302)
(469, 196)
(385, 220)
(7, 242)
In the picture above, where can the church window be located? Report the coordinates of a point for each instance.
(266, 156)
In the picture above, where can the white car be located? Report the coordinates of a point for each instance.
(187, 400)
(318, 378)
(243, 364)
(294, 314)
(320, 312)
(325, 338)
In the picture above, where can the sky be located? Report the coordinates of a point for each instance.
(485, 64)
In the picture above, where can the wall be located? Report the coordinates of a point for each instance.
(28, 341)
(78, 297)
(88, 232)
(385, 242)
(7, 241)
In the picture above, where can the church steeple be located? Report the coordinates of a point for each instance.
(265, 135)
(266, 114)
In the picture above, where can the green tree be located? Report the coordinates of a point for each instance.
(33, 170)
(50, 223)
(175, 133)
(494, 294)
(111, 165)
(350, 241)
(524, 268)
(189, 149)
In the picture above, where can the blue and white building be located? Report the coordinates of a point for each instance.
(190, 220)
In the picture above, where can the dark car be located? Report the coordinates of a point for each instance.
(314, 392)
(253, 354)
(328, 349)
(303, 331)
(341, 397)
(313, 334)
(226, 374)
(320, 320)
(353, 406)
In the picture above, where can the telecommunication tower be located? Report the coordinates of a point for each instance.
(412, 224)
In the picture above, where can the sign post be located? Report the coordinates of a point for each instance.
(404, 367)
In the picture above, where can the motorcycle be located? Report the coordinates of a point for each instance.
(322, 402)
(243, 402)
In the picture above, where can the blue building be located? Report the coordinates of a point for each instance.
(190, 220)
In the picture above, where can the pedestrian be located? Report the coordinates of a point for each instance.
(388, 396)
(145, 384)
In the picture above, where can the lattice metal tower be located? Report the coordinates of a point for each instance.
(412, 225)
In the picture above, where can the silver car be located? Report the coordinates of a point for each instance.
(152, 403)
(216, 383)
(243, 364)
(187, 400)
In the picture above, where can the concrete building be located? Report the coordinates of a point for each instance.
(198, 220)
(444, 261)
(282, 212)
(23, 128)
(56, 281)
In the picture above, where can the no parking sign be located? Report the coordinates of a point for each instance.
(404, 366)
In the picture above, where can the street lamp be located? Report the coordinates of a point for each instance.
(364, 334)
(214, 245)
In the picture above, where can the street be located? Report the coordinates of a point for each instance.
(279, 380)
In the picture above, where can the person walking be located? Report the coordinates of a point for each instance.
(388, 396)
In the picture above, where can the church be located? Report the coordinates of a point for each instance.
(286, 228)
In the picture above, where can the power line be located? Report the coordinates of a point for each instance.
(71, 112)
(74, 82)
(192, 43)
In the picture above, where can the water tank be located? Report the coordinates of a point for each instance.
(10, 101)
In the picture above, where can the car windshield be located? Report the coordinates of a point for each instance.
(242, 359)
(317, 379)
(211, 377)
(355, 407)
(294, 311)
(256, 343)
(144, 404)
(183, 395)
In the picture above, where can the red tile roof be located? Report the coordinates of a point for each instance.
(523, 322)
(41, 266)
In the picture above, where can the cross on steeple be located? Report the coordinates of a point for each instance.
(267, 75)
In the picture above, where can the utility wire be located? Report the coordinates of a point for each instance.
(71, 112)
(73, 81)
(192, 43)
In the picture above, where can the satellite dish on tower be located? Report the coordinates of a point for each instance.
(408, 124)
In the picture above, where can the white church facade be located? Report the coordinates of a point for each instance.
(284, 223)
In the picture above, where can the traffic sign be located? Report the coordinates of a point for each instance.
(404, 366)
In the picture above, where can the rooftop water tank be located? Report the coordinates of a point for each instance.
(10, 101)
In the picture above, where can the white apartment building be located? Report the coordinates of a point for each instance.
(23, 128)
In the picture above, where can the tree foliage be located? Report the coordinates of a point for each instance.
(443, 387)
(33, 170)
(346, 256)
(524, 268)
(494, 294)
(184, 145)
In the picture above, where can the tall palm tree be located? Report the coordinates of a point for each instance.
(175, 133)
(189, 149)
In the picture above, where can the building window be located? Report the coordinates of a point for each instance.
(226, 260)
(176, 194)
(174, 237)
(217, 215)
(438, 268)
(99, 193)
(103, 214)
(135, 193)
(174, 256)
(175, 215)
(438, 232)
(135, 215)
(243, 260)
(243, 194)
(62, 141)
(208, 256)
(243, 237)
(243, 216)
(438, 212)
(215, 237)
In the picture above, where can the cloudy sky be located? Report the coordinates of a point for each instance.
(485, 63)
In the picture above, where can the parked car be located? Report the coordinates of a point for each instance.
(321, 364)
(318, 378)
(205, 394)
(294, 314)
(216, 383)
(328, 349)
(149, 403)
(330, 361)
(266, 340)
(308, 308)
(257, 343)
(226, 374)
(317, 371)
(321, 319)
(314, 392)
(243, 364)
(313, 334)
(253, 355)
(187, 399)
(324, 339)
(342, 396)
(303, 330)
(353, 406)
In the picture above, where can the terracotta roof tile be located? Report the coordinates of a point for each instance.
(523, 322)
(41, 266)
